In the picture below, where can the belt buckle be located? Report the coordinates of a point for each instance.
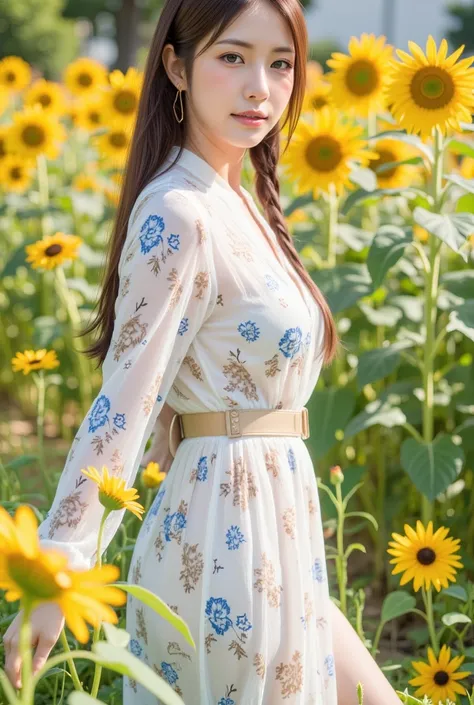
(232, 423)
(305, 423)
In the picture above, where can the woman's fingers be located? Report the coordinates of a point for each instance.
(13, 661)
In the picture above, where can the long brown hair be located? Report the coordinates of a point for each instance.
(184, 24)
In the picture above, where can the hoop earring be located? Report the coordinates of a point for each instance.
(179, 91)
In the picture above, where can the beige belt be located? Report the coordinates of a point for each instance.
(237, 423)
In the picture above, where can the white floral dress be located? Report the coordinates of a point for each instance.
(211, 317)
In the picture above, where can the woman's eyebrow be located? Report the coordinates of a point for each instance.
(241, 43)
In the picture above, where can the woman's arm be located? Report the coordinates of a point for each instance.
(158, 451)
(354, 663)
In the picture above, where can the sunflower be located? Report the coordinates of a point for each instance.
(16, 173)
(84, 76)
(322, 153)
(359, 79)
(53, 250)
(48, 95)
(35, 132)
(15, 73)
(438, 679)
(89, 113)
(3, 141)
(432, 90)
(467, 168)
(314, 73)
(317, 96)
(152, 475)
(425, 557)
(85, 182)
(113, 494)
(113, 145)
(32, 360)
(36, 576)
(401, 176)
(121, 99)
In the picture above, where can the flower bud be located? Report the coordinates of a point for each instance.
(152, 476)
(335, 475)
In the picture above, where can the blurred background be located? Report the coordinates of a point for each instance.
(51, 33)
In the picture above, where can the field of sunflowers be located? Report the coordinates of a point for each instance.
(377, 187)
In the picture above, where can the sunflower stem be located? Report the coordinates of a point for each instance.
(428, 600)
(27, 690)
(431, 295)
(80, 362)
(341, 559)
(40, 385)
(72, 666)
(98, 667)
(333, 203)
(43, 190)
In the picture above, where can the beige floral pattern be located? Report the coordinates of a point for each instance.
(266, 582)
(291, 675)
(206, 318)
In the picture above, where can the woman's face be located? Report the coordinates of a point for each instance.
(230, 78)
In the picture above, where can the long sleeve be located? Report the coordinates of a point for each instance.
(167, 290)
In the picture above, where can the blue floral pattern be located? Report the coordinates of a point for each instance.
(207, 319)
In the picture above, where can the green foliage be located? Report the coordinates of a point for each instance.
(463, 31)
(321, 51)
(37, 32)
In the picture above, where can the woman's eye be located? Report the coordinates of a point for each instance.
(287, 67)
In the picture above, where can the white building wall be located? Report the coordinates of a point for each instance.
(413, 19)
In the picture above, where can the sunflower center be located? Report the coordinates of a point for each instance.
(118, 139)
(84, 79)
(319, 102)
(34, 578)
(33, 135)
(3, 151)
(125, 102)
(10, 77)
(45, 100)
(385, 157)
(441, 677)
(15, 173)
(109, 501)
(324, 153)
(362, 78)
(432, 88)
(426, 556)
(94, 117)
(53, 250)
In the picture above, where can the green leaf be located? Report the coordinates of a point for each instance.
(124, 662)
(462, 319)
(383, 316)
(160, 607)
(412, 140)
(355, 238)
(465, 204)
(459, 282)
(362, 195)
(411, 306)
(378, 363)
(365, 178)
(299, 202)
(432, 467)
(88, 291)
(364, 515)
(456, 591)
(375, 413)
(397, 604)
(450, 618)
(79, 698)
(458, 180)
(408, 699)
(344, 285)
(116, 636)
(452, 229)
(387, 166)
(388, 246)
(457, 145)
(355, 547)
(21, 462)
(332, 407)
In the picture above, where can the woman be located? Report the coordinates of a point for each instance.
(207, 306)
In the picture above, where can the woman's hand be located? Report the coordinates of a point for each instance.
(159, 450)
(47, 622)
